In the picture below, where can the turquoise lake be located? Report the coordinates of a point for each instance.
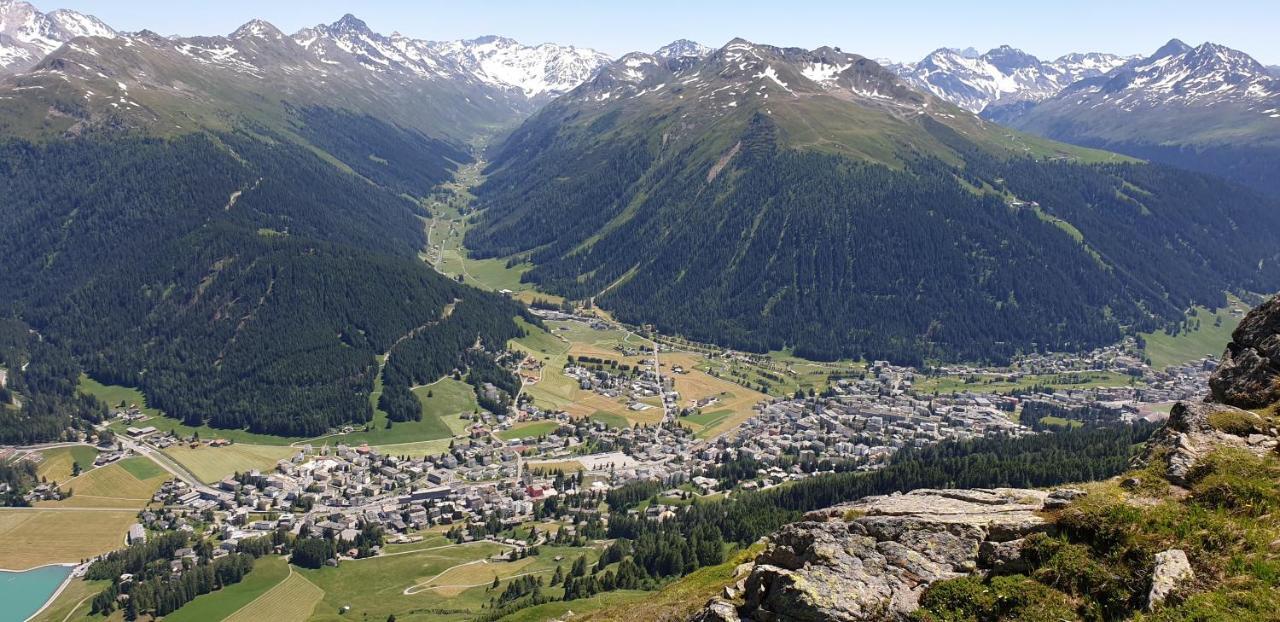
(23, 593)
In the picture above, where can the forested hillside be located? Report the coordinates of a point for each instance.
(722, 221)
(237, 281)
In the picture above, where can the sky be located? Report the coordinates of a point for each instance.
(902, 30)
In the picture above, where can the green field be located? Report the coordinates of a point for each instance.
(291, 600)
(1210, 336)
(267, 572)
(127, 484)
(538, 341)
(142, 468)
(444, 582)
(612, 420)
(57, 463)
(440, 417)
(211, 464)
(529, 430)
(782, 372)
(707, 419)
(1059, 422)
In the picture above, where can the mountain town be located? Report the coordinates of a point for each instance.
(692, 313)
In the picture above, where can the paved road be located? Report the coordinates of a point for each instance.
(169, 464)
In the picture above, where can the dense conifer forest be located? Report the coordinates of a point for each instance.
(237, 281)
(842, 258)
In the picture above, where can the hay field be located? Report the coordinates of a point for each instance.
(30, 538)
(292, 600)
(211, 464)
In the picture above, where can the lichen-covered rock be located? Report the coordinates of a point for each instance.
(1250, 369)
(871, 560)
(1003, 557)
(1062, 497)
(717, 610)
(1171, 572)
(1189, 436)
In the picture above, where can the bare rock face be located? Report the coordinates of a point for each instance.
(1171, 572)
(872, 559)
(1190, 435)
(1249, 375)
(717, 610)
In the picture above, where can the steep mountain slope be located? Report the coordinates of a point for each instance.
(232, 225)
(27, 35)
(1005, 76)
(1207, 108)
(768, 198)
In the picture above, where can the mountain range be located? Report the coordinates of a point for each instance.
(756, 196)
(1208, 108)
(1002, 76)
(446, 89)
(772, 198)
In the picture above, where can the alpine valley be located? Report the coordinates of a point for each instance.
(347, 324)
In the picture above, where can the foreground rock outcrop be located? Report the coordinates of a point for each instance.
(1249, 375)
(872, 559)
(1194, 430)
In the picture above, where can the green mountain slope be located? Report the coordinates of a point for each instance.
(768, 197)
(235, 282)
(232, 225)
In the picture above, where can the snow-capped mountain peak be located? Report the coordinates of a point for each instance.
(535, 71)
(257, 29)
(683, 48)
(27, 35)
(538, 71)
(1177, 73)
(1004, 74)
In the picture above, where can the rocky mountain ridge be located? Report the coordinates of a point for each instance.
(27, 35)
(1003, 75)
(540, 71)
(1209, 108)
(80, 73)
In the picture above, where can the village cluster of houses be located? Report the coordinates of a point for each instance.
(861, 423)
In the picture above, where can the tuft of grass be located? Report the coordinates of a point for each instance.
(1237, 422)
(1007, 597)
(1237, 482)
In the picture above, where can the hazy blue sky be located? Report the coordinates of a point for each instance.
(900, 30)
